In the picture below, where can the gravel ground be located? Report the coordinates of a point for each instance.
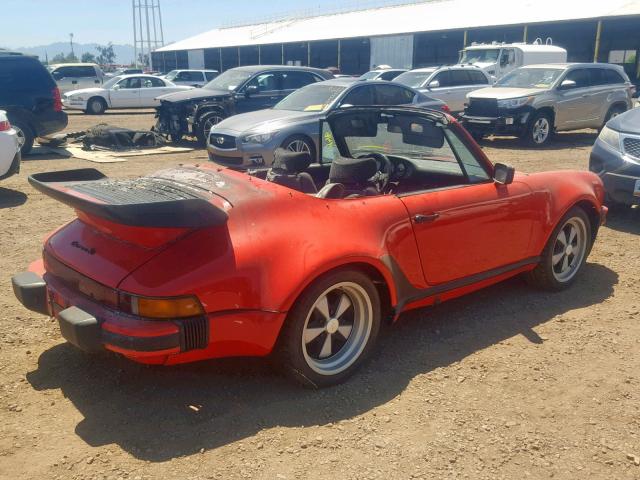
(505, 383)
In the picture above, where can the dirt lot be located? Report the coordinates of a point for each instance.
(506, 383)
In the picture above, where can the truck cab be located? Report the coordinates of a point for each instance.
(498, 59)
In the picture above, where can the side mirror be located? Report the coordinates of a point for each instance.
(434, 84)
(567, 85)
(251, 90)
(503, 174)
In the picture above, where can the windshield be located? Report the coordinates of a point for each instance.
(171, 75)
(313, 98)
(111, 82)
(413, 79)
(229, 80)
(369, 75)
(530, 78)
(489, 55)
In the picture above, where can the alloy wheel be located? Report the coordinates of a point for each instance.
(569, 249)
(337, 328)
(299, 146)
(210, 123)
(541, 129)
(20, 135)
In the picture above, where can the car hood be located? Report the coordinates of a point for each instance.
(628, 122)
(85, 91)
(504, 93)
(194, 94)
(265, 120)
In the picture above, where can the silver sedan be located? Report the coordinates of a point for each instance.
(248, 140)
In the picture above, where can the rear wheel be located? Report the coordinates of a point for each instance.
(25, 133)
(565, 252)
(96, 106)
(331, 329)
(205, 124)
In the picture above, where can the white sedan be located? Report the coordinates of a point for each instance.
(124, 91)
(9, 148)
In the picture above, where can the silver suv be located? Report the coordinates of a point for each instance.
(535, 101)
(449, 84)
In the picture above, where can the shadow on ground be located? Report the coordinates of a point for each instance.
(149, 412)
(559, 141)
(624, 219)
(11, 198)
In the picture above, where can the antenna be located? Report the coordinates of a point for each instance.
(148, 34)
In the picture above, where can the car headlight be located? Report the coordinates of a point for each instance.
(258, 137)
(610, 137)
(515, 102)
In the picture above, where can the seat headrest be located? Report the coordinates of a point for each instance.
(291, 162)
(352, 170)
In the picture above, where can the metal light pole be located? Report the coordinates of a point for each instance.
(71, 42)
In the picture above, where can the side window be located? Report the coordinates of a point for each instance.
(363, 95)
(469, 162)
(152, 83)
(460, 78)
(389, 75)
(210, 75)
(189, 77)
(132, 82)
(477, 78)
(64, 72)
(266, 82)
(393, 95)
(597, 76)
(612, 77)
(296, 80)
(85, 71)
(580, 76)
(443, 78)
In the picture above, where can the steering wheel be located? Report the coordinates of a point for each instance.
(385, 169)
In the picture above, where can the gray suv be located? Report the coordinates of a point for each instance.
(535, 101)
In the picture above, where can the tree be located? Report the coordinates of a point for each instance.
(62, 58)
(88, 58)
(106, 54)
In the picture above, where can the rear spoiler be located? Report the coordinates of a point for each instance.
(140, 202)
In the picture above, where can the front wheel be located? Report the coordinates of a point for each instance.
(565, 253)
(539, 130)
(96, 106)
(205, 124)
(300, 143)
(331, 329)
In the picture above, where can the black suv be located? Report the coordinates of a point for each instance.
(30, 97)
(239, 90)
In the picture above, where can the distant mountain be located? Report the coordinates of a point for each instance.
(124, 53)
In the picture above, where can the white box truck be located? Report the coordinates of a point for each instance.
(497, 59)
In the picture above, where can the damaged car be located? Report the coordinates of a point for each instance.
(199, 262)
(238, 90)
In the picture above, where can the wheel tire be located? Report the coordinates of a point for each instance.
(614, 111)
(477, 136)
(307, 333)
(26, 135)
(300, 143)
(550, 273)
(205, 123)
(96, 106)
(539, 130)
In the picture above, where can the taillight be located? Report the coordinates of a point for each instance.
(57, 100)
(4, 126)
(445, 109)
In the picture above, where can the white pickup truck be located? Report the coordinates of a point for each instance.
(73, 76)
(498, 59)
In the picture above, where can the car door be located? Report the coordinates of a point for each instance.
(574, 107)
(476, 227)
(66, 79)
(464, 81)
(126, 93)
(443, 89)
(262, 91)
(151, 89)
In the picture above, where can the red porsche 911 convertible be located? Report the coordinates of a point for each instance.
(303, 261)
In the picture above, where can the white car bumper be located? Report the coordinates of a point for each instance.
(74, 103)
(8, 151)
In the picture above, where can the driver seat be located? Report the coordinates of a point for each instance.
(288, 170)
(355, 174)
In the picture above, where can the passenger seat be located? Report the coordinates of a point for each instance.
(288, 170)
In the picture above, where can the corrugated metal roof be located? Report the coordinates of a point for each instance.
(420, 17)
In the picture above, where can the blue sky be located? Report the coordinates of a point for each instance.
(27, 23)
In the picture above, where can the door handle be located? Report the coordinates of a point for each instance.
(426, 218)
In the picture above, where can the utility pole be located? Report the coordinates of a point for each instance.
(71, 42)
(148, 34)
